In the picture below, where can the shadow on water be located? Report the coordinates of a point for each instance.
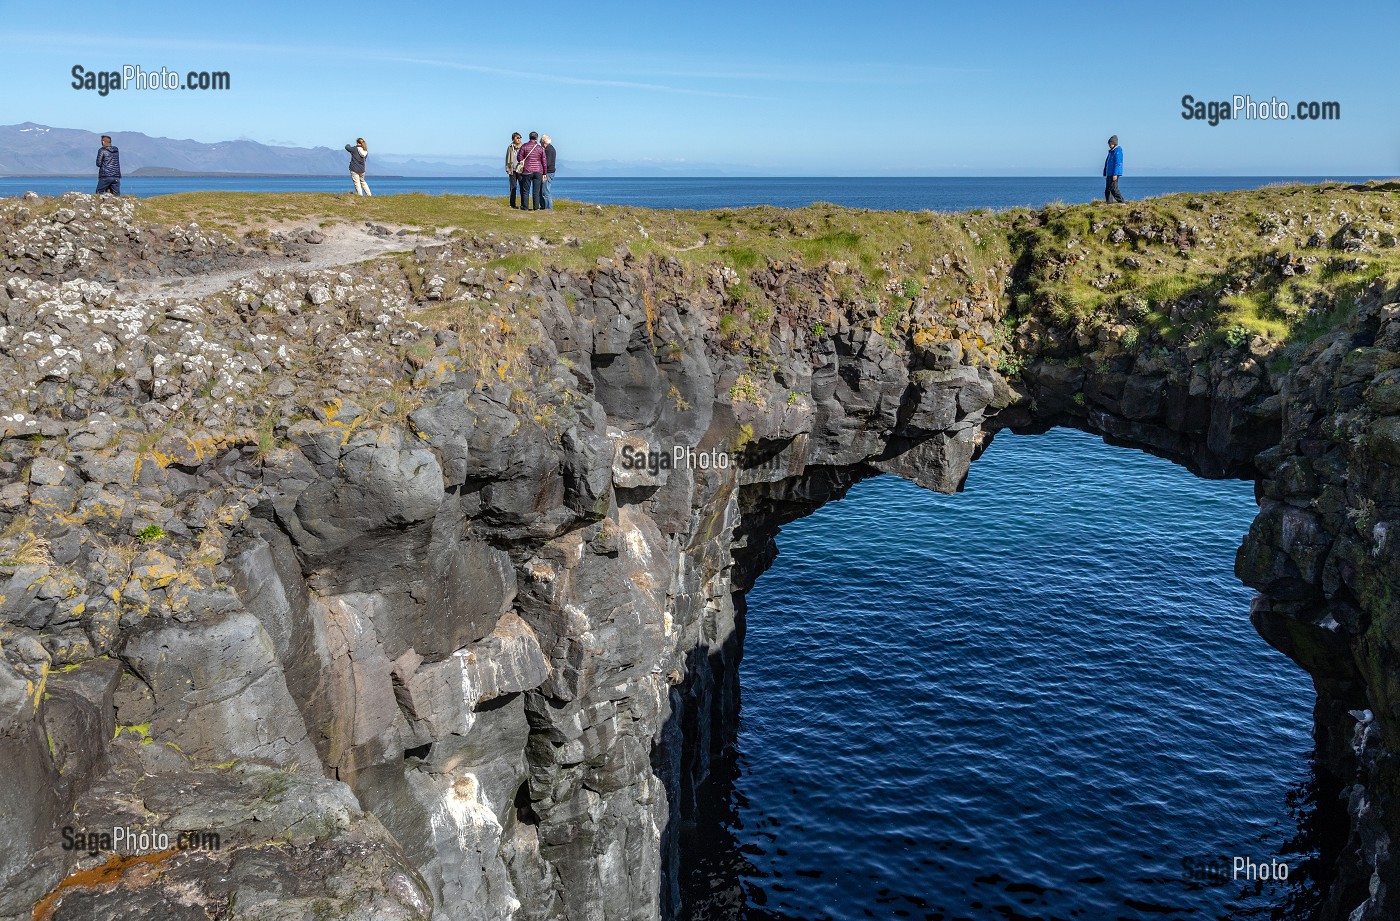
(1317, 828)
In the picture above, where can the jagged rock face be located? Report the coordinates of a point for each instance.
(464, 649)
(88, 238)
(487, 646)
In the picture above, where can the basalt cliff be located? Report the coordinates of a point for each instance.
(402, 544)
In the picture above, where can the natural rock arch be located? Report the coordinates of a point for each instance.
(503, 644)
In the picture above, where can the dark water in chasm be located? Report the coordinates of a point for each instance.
(1041, 698)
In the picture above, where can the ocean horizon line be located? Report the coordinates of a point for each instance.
(712, 178)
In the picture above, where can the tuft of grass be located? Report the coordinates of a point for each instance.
(515, 263)
(266, 437)
(833, 245)
(16, 526)
(1243, 317)
(33, 550)
(419, 353)
(1163, 289)
(742, 258)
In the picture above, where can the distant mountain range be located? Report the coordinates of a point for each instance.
(39, 150)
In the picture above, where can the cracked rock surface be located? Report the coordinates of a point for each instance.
(357, 566)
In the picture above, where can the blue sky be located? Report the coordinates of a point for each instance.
(811, 88)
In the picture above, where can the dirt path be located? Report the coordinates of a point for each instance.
(344, 244)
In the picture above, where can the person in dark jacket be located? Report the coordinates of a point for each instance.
(1112, 169)
(109, 168)
(358, 151)
(548, 172)
(513, 170)
(532, 165)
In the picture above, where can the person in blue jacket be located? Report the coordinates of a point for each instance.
(1112, 169)
(109, 168)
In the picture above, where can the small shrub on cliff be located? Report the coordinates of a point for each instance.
(746, 390)
(1011, 366)
(889, 320)
(733, 331)
(678, 401)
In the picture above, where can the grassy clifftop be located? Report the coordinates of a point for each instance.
(1283, 263)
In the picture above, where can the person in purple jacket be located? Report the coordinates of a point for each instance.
(532, 167)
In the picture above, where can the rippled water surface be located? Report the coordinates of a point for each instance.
(1041, 698)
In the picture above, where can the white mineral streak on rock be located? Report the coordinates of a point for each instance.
(471, 693)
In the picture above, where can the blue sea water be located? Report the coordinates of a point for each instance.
(898, 193)
(1040, 698)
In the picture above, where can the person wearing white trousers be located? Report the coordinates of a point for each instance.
(358, 151)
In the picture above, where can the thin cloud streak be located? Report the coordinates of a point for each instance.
(904, 75)
(560, 78)
(64, 41)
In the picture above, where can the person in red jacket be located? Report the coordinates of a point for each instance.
(532, 166)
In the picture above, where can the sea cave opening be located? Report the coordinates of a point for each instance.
(1039, 698)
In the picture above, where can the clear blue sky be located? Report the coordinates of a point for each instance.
(810, 88)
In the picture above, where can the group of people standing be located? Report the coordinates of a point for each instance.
(530, 169)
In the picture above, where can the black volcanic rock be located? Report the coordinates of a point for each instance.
(402, 587)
